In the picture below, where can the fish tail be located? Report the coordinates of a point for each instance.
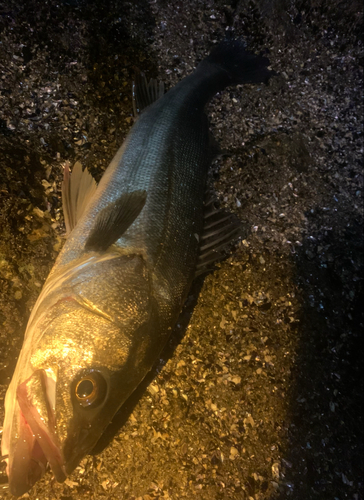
(238, 65)
(229, 63)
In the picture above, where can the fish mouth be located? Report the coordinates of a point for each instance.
(37, 443)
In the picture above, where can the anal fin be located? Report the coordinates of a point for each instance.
(221, 229)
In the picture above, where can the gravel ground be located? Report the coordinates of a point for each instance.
(259, 393)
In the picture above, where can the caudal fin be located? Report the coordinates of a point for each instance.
(238, 64)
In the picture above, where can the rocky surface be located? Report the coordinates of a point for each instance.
(259, 393)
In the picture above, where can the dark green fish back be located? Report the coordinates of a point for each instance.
(166, 154)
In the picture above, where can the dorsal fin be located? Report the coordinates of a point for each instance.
(144, 93)
(77, 190)
(221, 228)
(114, 219)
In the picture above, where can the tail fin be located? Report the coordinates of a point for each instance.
(229, 63)
(239, 65)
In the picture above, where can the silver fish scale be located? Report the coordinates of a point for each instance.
(166, 154)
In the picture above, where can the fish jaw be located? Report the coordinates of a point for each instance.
(37, 442)
(27, 462)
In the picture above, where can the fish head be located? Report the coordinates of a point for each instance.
(65, 392)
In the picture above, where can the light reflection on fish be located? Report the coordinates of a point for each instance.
(117, 287)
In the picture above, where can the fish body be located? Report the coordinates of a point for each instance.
(118, 285)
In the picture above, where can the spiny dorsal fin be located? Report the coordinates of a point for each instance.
(221, 229)
(113, 220)
(144, 93)
(77, 190)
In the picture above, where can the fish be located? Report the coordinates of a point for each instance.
(135, 243)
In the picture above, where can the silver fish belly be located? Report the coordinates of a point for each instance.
(117, 287)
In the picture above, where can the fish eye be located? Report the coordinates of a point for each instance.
(85, 389)
(90, 389)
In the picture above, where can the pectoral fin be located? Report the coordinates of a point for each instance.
(113, 220)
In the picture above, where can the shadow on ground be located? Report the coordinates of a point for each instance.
(325, 415)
